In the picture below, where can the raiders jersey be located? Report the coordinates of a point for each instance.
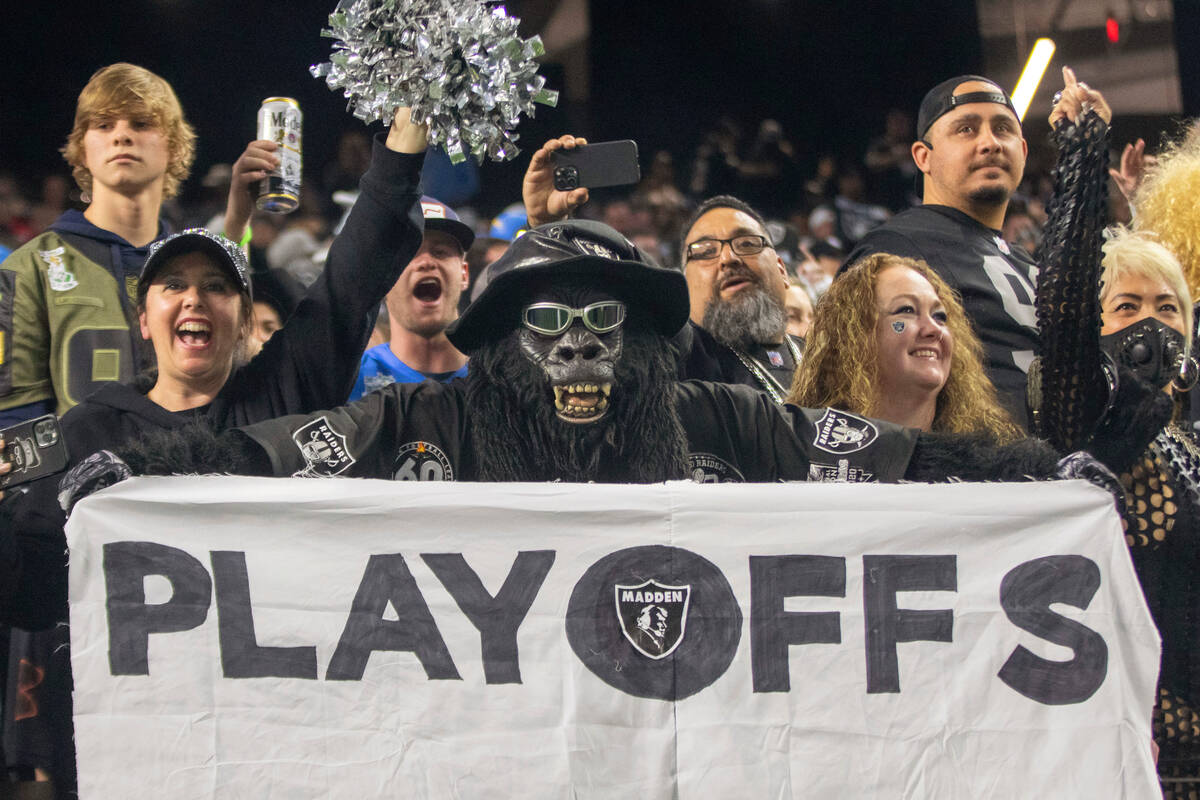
(996, 284)
(735, 434)
(701, 357)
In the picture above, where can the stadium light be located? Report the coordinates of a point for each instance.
(1112, 29)
(1031, 76)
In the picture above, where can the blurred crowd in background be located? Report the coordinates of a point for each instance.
(815, 215)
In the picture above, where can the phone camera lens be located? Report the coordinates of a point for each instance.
(44, 433)
(566, 178)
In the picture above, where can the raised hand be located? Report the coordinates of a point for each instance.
(252, 166)
(1134, 165)
(544, 203)
(405, 136)
(1076, 99)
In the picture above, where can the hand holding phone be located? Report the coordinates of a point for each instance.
(543, 203)
(32, 449)
(592, 166)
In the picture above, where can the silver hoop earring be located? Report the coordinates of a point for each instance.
(1189, 373)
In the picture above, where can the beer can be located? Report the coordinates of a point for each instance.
(279, 120)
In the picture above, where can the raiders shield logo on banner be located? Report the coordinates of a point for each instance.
(653, 616)
(841, 432)
(323, 448)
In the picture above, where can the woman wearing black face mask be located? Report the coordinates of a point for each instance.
(1124, 312)
(1146, 316)
(1146, 312)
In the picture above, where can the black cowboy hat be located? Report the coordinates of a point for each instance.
(575, 248)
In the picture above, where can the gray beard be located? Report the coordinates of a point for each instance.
(751, 318)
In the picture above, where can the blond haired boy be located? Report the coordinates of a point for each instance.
(67, 321)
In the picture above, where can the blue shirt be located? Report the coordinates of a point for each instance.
(380, 367)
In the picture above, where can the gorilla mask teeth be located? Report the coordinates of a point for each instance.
(582, 402)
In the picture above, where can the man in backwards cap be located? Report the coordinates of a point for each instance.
(571, 380)
(971, 153)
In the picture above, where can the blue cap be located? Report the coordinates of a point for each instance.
(508, 223)
(441, 217)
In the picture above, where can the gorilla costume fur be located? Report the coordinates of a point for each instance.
(572, 378)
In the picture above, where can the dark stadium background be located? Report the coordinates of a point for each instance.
(660, 72)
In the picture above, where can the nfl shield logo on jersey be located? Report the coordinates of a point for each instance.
(653, 616)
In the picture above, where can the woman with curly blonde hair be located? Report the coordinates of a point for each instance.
(890, 340)
(1166, 205)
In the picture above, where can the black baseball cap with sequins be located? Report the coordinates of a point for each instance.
(223, 251)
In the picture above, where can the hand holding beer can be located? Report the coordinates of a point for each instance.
(279, 121)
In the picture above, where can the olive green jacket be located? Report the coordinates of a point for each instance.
(66, 325)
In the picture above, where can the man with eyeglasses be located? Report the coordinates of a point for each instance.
(737, 284)
(737, 290)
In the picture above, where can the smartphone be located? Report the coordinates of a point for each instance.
(35, 448)
(591, 166)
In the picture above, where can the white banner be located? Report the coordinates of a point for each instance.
(261, 638)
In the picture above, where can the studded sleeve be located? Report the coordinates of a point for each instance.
(1073, 386)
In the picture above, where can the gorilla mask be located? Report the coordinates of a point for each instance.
(574, 335)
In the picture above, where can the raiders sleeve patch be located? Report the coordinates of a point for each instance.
(323, 448)
(840, 432)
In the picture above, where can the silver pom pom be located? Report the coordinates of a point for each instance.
(460, 66)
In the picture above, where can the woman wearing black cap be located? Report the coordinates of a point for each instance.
(195, 306)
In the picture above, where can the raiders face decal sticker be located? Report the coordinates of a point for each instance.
(841, 432)
(323, 448)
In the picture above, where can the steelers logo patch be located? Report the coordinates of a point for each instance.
(422, 461)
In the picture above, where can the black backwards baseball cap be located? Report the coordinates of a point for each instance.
(441, 217)
(575, 248)
(941, 99)
(223, 251)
